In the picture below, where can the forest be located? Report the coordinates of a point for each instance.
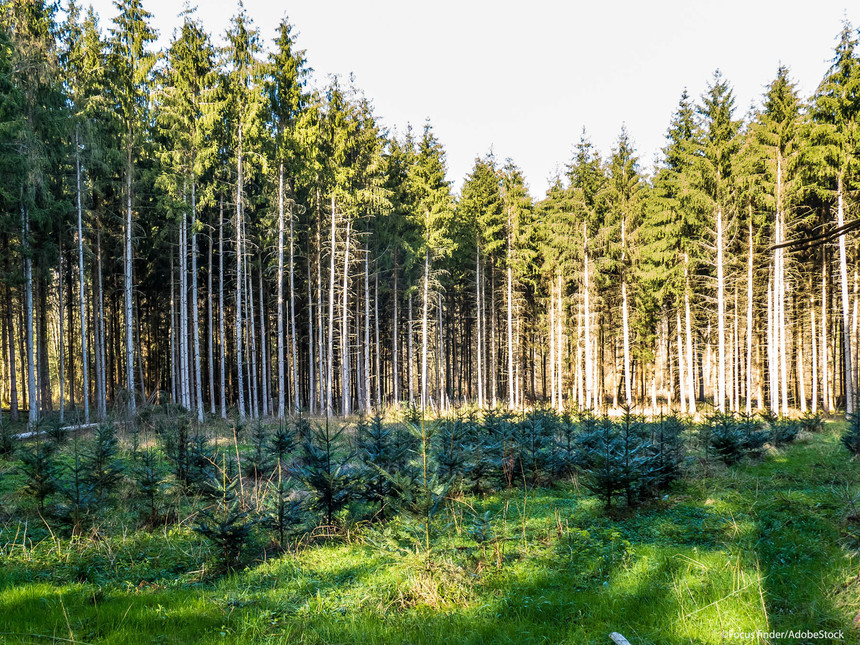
(267, 377)
(204, 225)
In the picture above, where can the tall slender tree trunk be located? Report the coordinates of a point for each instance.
(440, 354)
(825, 376)
(511, 396)
(210, 321)
(780, 307)
(311, 356)
(691, 391)
(329, 362)
(800, 367)
(395, 375)
(552, 345)
(264, 347)
(129, 317)
(13, 379)
(378, 370)
(628, 398)
(494, 362)
(771, 344)
(843, 272)
(814, 346)
(222, 335)
(345, 360)
(580, 391)
(721, 317)
(252, 331)
(82, 301)
(736, 359)
(195, 313)
(320, 323)
(410, 360)
(559, 339)
(293, 331)
(424, 320)
(240, 387)
(184, 379)
(749, 320)
(681, 365)
(102, 373)
(366, 364)
(478, 324)
(62, 358)
(28, 314)
(281, 393)
(589, 359)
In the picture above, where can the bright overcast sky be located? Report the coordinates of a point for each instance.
(525, 77)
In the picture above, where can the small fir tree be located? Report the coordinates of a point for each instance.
(327, 477)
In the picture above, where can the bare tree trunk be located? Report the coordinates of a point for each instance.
(580, 394)
(281, 393)
(82, 301)
(222, 336)
(478, 324)
(129, 317)
(721, 317)
(825, 377)
(378, 370)
(102, 373)
(183, 316)
(195, 313)
(264, 347)
(691, 388)
(359, 356)
(210, 326)
(329, 362)
(320, 324)
(366, 365)
(426, 306)
(240, 387)
(13, 379)
(311, 358)
(736, 361)
(410, 360)
(846, 337)
(749, 319)
(28, 312)
(395, 376)
(62, 358)
(252, 332)
(494, 362)
(345, 360)
(814, 346)
(681, 377)
(780, 308)
(771, 354)
(293, 333)
(628, 397)
(589, 361)
(559, 338)
(511, 401)
(552, 345)
(800, 368)
(440, 353)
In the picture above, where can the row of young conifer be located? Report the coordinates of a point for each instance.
(291, 478)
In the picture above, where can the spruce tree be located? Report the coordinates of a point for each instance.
(131, 67)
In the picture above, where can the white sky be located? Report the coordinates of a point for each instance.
(525, 77)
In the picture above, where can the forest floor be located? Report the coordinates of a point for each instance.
(770, 545)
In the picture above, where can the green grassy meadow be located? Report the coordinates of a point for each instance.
(770, 544)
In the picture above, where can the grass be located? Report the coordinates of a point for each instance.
(767, 545)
